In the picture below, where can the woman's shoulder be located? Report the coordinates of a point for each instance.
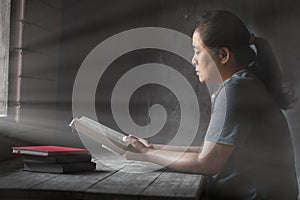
(241, 78)
(244, 87)
(244, 82)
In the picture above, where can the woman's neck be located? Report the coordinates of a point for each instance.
(230, 71)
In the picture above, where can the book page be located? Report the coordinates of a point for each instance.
(108, 132)
(100, 133)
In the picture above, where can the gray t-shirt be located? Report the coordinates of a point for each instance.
(262, 164)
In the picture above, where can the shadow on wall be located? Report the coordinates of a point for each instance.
(5, 147)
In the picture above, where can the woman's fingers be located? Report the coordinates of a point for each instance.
(134, 137)
(135, 144)
(145, 142)
(131, 139)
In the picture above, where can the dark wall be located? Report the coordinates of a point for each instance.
(88, 23)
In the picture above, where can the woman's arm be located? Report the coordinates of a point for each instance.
(209, 162)
(196, 149)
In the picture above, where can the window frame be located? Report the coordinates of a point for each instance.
(5, 9)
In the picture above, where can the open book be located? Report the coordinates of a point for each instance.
(109, 138)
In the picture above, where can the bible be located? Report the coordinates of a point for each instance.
(109, 138)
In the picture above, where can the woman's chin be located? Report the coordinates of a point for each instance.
(201, 79)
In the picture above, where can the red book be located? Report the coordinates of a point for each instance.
(48, 150)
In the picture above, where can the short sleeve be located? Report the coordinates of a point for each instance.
(229, 124)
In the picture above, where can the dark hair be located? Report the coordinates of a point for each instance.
(220, 28)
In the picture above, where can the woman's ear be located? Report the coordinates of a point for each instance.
(224, 55)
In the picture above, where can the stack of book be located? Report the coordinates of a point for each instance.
(55, 159)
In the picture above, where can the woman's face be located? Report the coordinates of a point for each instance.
(203, 61)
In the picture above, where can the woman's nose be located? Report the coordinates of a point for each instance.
(194, 61)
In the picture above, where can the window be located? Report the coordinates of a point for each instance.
(4, 54)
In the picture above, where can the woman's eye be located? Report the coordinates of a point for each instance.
(197, 52)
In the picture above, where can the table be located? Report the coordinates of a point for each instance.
(104, 183)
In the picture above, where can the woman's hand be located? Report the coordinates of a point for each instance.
(137, 144)
(137, 148)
